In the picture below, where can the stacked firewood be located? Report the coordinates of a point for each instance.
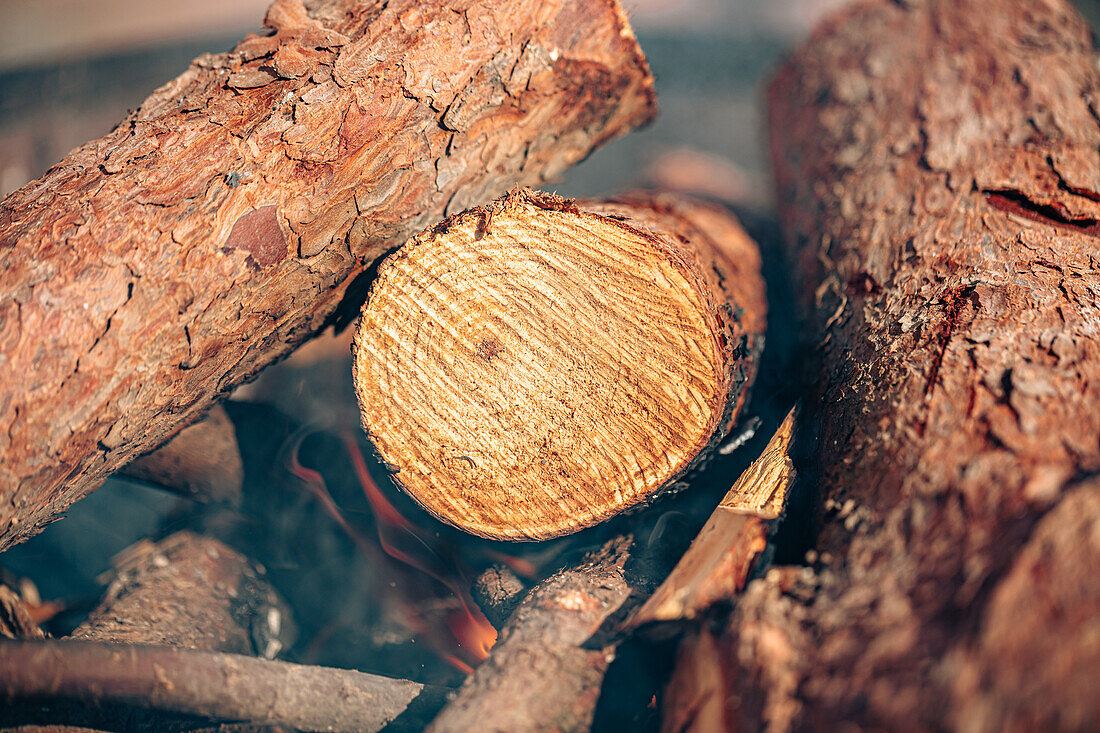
(528, 366)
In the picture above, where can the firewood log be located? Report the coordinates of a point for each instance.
(534, 366)
(939, 177)
(202, 462)
(191, 592)
(124, 680)
(226, 219)
(545, 672)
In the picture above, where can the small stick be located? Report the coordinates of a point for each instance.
(210, 684)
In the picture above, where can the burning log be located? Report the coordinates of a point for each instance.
(539, 675)
(207, 684)
(202, 462)
(224, 221)
(537, 365)
(939, 180)
(192, 592)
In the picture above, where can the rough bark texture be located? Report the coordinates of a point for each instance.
(537, 365)
(224, 221)
(540, 675)
(192, 592)
(939, 178)
(202, 462)
(15, 618)
(497, 592)
(210, 684)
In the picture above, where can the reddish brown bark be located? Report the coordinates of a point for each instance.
(222, 223)
(939, 181)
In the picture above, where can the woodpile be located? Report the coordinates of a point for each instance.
(223, 222)
(890, 519)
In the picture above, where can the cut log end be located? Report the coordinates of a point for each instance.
(532, 368)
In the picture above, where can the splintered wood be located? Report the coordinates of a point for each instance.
(546, 670)
(224, 221)
(725, 553)
(533, 367)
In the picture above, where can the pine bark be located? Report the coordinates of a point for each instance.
(224, 221)
(939, 182)
(535, 366)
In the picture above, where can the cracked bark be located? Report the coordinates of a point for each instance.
(938, 173)
(192, 592)
(224, 221)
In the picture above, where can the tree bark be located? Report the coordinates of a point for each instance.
(210, 684)
(538, 365)
(191, 592)
(541, 675)
(939, 180)
(224, 221)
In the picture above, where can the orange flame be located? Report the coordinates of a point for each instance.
(469, 626)
(472, 633)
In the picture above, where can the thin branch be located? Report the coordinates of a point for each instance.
(211, 684)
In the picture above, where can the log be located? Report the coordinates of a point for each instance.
(497, 591)
(15, 618)
(939, 181)
(192, 592)
(535, 366)
(541, 674)
(202, 462)
(214, 685)
(225, 221)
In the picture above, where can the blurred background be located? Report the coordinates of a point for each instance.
(70, 69)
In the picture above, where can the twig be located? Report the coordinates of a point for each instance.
(210, 684)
